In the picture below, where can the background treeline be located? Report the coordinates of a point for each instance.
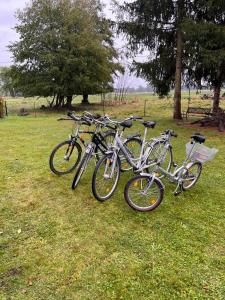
(66, 48)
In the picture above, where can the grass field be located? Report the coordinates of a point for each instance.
(56, 243)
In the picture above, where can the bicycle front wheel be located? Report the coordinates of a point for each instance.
(143, 194)
(65, 157)
(105, 178)
(191, 175)
(80, 170)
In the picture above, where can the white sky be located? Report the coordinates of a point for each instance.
(8, 34)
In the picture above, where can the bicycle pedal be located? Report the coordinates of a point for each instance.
(177, 193)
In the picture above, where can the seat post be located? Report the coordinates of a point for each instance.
(145, 134)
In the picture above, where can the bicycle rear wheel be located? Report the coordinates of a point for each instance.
(104, 183)
(156, 155)
(191, 175)
(65, 157)
(108, 138)
(133, 145)
(143, 194)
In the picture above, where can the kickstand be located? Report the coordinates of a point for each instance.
(178, 190)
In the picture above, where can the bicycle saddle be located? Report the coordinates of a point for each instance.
(198, 138)
(149, 124)
(126, 124)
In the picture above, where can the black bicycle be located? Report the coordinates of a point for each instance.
(100, 144)
(66, 155)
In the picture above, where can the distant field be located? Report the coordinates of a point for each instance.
(59, 244)
(32, 104)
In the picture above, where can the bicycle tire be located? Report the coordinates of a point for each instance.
(154, 158)
(80, 170)
(95, 191)
(52, 165)
(187, 173)
(154, 202)
(136, 140)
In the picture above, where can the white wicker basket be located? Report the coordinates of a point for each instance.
(201, 153)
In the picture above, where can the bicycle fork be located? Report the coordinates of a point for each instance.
(110, 162)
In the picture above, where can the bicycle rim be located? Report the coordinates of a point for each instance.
(65, 157)
(191, 175)
(105, 180)
(142, 194)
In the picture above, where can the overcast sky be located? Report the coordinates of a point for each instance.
(8, 34)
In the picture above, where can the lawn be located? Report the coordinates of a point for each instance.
(56, 243)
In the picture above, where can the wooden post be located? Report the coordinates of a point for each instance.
(145, 108)
(35, 115)
(1, 107)
(6, 109)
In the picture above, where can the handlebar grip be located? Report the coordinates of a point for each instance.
(87, 122)
(72, 116)
(63, 119)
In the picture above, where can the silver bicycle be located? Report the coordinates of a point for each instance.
(97, 142)
(107, 172)
(145, 192)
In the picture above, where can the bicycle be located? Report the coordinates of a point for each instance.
(145, 192)
(97, 140)
(107, 172)
(66, 155)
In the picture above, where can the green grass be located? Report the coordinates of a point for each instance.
(56, 243)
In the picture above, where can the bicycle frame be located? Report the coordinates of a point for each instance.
(137, 163)
(176, 175)
(97, 137)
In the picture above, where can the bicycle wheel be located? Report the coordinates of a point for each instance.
(156, 154)
(134, 147)
(65, 157)
(80, 170)
(191, 175)
(108, 138)
(104, 182)
(143, 194)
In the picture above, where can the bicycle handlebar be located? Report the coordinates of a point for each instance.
(89, 118)
(171, 133)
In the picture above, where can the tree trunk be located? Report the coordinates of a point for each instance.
(216, 98)
(177, 93)
(69, 101)
(1, 108)
(85, 99)
(59, 101)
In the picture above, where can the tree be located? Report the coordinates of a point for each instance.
(156, 26)
(7, 82)
(65, 49)
(206, 35)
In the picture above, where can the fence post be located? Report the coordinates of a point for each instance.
(6, 109)
(145, 108)
(35, 114)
